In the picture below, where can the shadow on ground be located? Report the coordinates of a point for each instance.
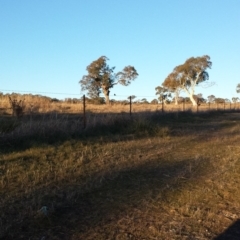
(74, 209)
(231, 233)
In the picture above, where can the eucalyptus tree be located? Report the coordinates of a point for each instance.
(188, 75)
(101, 78)
(154, 101)
(164, 94)
(220, 100)
(238, 88)
(144, 100)
(235, 99)
(172, 86)
(211, 98)
(132, 97)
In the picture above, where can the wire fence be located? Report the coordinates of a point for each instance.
(30, 105)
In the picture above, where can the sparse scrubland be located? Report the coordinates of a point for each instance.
(153, 175)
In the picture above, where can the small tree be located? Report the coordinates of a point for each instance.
(199, 99)
(154, 101)
(211, 98)
(164, 94)
(55, 100)
(101, 78)
(235, 99)
(238, 88)
(172, 86)
(98, 100)
(132, 97)
(16, 106)
(188, 75)
(219, 100)
(144, 101)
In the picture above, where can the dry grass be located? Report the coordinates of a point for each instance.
(39, 105)
(151, 176)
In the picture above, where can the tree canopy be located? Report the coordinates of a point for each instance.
(188, 75)
(101, 78)
(164, 94)
(235, 99)
(238, 88)
(211, 98)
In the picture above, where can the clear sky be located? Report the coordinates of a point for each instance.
(46, 45)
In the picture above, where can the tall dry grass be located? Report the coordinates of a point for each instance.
(42, 105)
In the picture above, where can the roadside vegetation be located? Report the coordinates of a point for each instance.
(150, 176)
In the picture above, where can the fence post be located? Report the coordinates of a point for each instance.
(130, 98)
(162, 105)
(209, 106)
(84, 112)
(183, 105)
(230, 106)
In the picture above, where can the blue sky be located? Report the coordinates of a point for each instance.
(45, 46)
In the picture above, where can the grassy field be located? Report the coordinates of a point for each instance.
(40, 105)
(149, 176)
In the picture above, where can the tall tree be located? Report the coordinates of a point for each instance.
(101, 78)
(188, 75)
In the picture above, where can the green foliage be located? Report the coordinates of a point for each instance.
(219, 100)
(211, 98)
(188, 75)
(101, 78)
(235, 99)
(132, 97)
(238, 88)
(154, 101)
(144, 100)
(193, 71)
(164, 94)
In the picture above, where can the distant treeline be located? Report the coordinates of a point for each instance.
(31, 98)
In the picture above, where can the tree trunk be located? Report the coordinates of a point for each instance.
(176, 100)
(191, 96)
(107, 99)
(193, 100)
(106, 93)
(177, 94)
